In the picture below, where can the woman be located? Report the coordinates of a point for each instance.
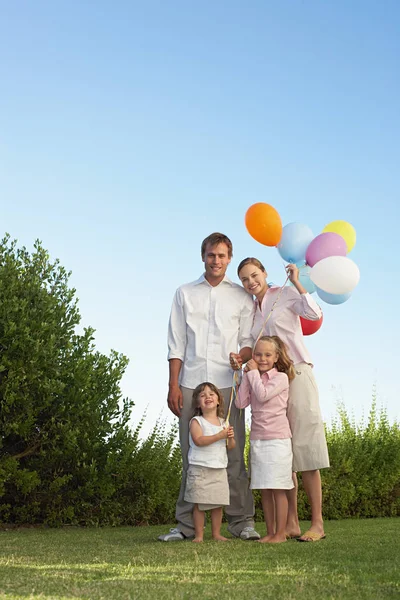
(310, 452)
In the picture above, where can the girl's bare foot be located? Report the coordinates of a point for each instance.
(266, 538)
(197, 540)
(277, 539)
(220, 538)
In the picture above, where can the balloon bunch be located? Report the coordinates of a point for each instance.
(324, 266)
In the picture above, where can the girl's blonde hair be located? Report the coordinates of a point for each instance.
(284, 364)
(195, 399)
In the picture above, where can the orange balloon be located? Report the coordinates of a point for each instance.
(264, 224)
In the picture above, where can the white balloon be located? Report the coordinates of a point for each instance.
(335, 274)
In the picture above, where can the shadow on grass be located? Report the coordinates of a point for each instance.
(356, 561)
(173, 581)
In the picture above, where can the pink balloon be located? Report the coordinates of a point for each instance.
(325, 245)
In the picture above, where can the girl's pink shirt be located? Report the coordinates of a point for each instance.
(268, 396)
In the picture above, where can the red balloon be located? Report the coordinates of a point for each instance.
(310, 327)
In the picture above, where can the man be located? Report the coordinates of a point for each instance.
(210, 318)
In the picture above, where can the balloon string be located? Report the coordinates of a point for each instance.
(235, 383)
(235, 386)
(270, 312)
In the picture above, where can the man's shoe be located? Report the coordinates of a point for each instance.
(249, 533)
(174, 535)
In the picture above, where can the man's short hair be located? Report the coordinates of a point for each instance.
(213, 240)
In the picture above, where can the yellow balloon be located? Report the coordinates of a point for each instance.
(345, 229)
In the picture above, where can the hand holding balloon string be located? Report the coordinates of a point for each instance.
(293, 272)
(235, 361)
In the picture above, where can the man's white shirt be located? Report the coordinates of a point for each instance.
(205, 325)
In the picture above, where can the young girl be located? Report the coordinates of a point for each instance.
(265, 386)
(207, 480)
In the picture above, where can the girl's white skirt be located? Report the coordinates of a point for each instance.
(271, 464)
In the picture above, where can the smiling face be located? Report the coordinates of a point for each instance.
(254, 280)
(265, 355)
(216, 260)
(207, 400)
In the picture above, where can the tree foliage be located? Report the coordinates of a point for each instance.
(66, 450)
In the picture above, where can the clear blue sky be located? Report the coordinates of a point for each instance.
(129, 131)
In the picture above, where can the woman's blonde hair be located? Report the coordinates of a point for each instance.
(284, 364)
(195, 399)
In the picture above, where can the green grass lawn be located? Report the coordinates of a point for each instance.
(358, 559)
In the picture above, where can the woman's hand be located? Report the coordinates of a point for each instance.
(293, 273)
(235, 361)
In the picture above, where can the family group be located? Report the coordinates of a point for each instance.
(217, 327)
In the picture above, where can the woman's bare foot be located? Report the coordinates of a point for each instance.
(277, 539)
(312, 536)
(220, 538)
(266, 538)
(197, 540)
(293, 534)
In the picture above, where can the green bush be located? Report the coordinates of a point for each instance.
(364, 479)
(67, 454)
(152, 478)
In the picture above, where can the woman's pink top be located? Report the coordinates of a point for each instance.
(268, 396)
(284, 320)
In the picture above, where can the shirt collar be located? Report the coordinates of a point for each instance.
(202, 279)
(271, 373)
(271, 288)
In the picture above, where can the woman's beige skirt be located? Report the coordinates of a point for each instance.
(207, 487)
(310, 451)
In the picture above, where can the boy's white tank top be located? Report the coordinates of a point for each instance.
(215, 455)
